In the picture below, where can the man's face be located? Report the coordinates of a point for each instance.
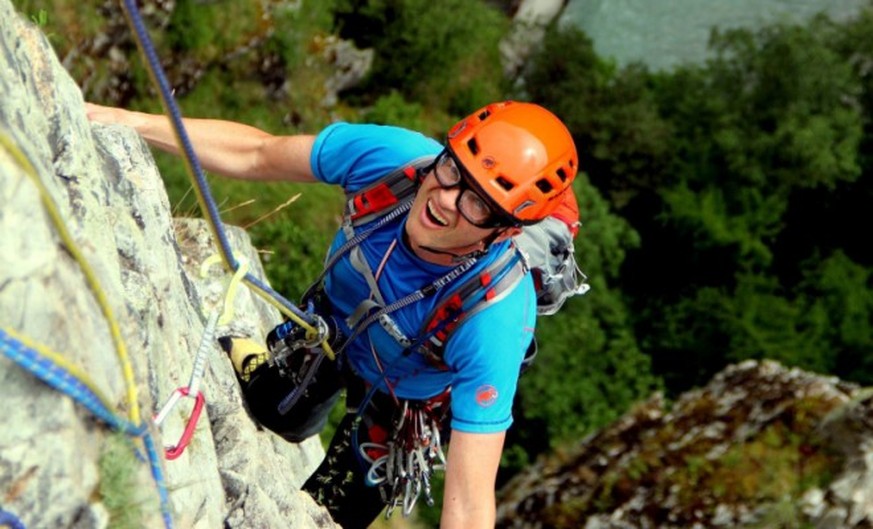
(434, 223)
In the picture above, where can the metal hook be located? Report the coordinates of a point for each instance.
(176, 450)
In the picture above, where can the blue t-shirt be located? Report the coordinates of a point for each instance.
(483, 354)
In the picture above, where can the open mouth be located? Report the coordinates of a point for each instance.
(435, 217)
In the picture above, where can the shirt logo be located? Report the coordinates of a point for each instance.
(486, 395)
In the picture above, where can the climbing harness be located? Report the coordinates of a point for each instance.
(403, 461)
(404, 464)
(207, 340)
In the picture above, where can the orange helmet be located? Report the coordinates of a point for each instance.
(519, 155)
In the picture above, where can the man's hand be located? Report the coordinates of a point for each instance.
(112, 115)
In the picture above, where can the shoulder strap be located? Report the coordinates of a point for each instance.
(384, 200)
(473, 295)
(382, 196)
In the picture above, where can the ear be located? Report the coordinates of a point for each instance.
(507, 233)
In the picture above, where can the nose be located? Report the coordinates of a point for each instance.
(448, 197)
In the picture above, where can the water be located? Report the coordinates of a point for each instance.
(665, 33)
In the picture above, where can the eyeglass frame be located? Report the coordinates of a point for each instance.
(496, 218)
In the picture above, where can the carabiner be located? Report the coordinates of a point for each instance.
(172, 452)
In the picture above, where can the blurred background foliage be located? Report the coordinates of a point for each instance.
(723, 204)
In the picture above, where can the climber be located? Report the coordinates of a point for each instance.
(430, 304)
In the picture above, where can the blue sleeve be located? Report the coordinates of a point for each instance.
(485, 353)
(353, 155)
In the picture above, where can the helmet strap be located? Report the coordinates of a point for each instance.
(458, 257)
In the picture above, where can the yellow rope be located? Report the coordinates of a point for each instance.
(232, 287)
(121, 350)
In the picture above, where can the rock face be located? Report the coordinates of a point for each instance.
(528, 29)
(760, 446)
(59, 467)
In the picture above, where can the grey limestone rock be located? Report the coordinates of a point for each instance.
(110, 198)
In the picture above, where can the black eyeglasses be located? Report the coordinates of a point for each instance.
(470, 204)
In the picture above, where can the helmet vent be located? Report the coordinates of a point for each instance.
(544, 185)
(473, 145)
(484, 114)
(562, 174)
(504, 183)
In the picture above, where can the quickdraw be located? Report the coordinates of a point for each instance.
(405, 464)
(192, 390)
(174, 451)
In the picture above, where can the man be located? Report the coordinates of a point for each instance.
(507, 165)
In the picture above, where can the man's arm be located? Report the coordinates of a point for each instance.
(224, 147)
(471, 473)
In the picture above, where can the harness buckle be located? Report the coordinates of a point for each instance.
(288, 337)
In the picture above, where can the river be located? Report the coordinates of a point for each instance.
(665, 33)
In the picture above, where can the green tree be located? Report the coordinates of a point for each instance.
(443, 54)
(763, 131)
(623, 142)
(743, 177)
(839, 305)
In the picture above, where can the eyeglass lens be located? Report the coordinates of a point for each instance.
(469, 203)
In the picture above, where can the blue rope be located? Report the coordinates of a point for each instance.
(175, 115)
(10, 520)
(158, 476)
(58, 378)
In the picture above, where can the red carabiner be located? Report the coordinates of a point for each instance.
(175, 451)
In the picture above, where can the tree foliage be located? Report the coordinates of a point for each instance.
(771, 123)
(745, 179)
(442, 54)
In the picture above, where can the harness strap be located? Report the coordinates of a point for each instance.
(400, 209)
(474, 295)
(422, 293)
(365, 307)
(359, 263)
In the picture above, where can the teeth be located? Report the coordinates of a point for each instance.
(436, 216)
